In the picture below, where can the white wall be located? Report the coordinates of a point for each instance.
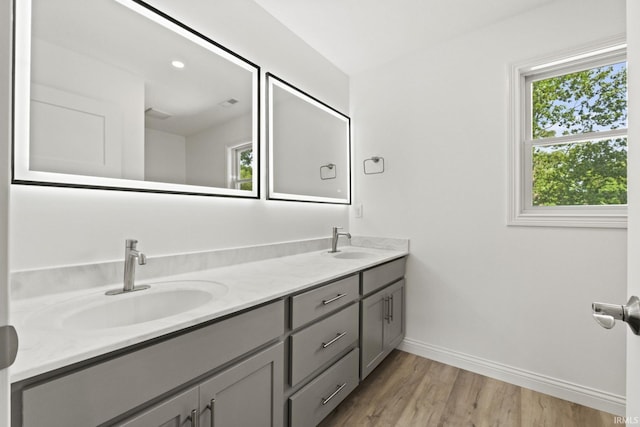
(58, 226)
(207, 151)
(78, 74)
(299, 154)
(164, 157)
(501, 300)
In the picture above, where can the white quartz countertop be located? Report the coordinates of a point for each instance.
(46, 345)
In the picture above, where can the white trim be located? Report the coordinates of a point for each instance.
(587, 396)
(520, 211)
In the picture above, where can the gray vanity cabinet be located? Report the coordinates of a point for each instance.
(104, 393)
(382, 325)
(246, 394)
(285, 363)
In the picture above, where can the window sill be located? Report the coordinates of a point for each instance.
(616, 217)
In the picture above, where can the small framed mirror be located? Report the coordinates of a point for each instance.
(309, 147)
(115, 94)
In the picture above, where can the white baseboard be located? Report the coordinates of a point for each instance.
(577, 393)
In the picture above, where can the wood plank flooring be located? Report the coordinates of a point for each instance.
(408, 390)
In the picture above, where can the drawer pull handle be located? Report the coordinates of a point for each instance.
(195, 422)
(336, 298)
(211, 406)
(391, 309)
(338, 390)
(327, 344)
(385, 309)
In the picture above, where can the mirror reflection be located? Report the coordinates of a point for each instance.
(309, 147)
(123, 96)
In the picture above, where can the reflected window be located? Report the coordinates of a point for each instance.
(241, 166)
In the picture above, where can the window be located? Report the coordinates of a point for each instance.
(240, 166)
(569, 141)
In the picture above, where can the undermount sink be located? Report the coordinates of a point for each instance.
(162, 300)
(351, 254)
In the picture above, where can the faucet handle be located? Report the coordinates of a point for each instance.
(130, 243)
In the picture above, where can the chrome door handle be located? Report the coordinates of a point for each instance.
(211, 406)
(195, 422)
(338, 390)
(336, 298)
(327, 344)
(607, 314)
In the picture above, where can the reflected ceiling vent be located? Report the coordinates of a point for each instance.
(228, 103)
(156, 114)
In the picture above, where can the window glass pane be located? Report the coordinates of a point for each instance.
(584, 101)
(587, 173)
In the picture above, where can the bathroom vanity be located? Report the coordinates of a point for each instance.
(264, 355)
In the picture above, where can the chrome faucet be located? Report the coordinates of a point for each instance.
(334, 239)
(131, 255)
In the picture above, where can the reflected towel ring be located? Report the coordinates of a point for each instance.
(325, 171)
(376, 165)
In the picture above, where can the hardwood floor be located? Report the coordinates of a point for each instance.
(408, 390)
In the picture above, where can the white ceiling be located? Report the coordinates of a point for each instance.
(357, 35)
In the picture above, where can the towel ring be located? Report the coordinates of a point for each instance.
(327, 171)
(373, 162)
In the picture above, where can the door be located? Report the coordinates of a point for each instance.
(394, 326)
(246, 394)
(633, 254)
(5, 142)
(373, 309)
(178, 411)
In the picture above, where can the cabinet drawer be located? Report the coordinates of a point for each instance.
(314, 401)
(319, 343)
(313, 304)
(103, 391)
(377, 277)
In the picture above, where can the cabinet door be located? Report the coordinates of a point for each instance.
(174, 412)
(373, 310)
(247, 394)
(394, 324)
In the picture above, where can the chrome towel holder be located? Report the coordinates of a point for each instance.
(375, 165)
(325, 171)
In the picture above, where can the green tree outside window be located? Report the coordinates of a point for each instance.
(590, 172)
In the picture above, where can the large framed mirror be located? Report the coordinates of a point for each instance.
(309, 147)
(115, 94)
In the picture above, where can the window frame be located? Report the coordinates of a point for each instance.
(521, 209)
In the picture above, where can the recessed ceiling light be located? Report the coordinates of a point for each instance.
(178, 64)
